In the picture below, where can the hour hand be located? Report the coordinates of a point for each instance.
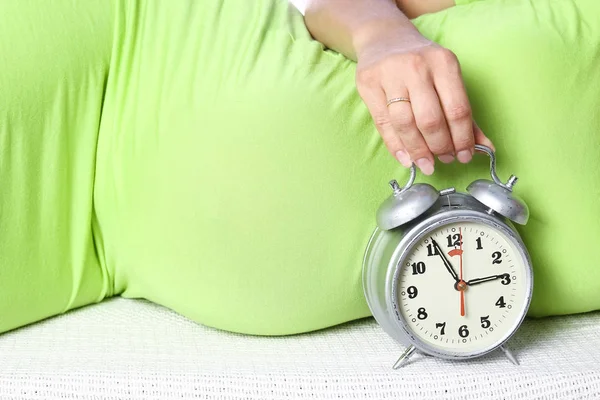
(445, 260)
(487, 279)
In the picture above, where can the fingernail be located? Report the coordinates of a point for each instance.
(404, 159)
(464, 156)
(425, 166)
(446, 158)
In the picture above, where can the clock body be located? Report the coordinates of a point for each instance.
(456, 282)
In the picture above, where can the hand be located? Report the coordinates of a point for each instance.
(477, 281)
(397, 62)
(445, 261)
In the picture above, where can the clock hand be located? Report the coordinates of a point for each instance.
(445, 260)
(458, 284)
(477, 281)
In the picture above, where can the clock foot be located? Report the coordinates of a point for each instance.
(404, 357)
(509, 355)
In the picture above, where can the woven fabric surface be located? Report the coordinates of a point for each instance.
(128, 349)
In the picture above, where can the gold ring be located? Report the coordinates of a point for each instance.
(397, 99)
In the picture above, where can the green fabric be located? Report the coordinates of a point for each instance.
(464, 2)
(211, 157)
(53, 64)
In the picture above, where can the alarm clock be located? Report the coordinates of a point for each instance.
(446, 273)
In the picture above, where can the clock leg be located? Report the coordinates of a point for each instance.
(404, 357)
(509, 355)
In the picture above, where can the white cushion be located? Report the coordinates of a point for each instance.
(128, 349)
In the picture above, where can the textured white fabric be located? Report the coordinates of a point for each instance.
(127, 349)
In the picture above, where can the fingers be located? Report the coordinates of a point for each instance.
(421, 124)
(435, 122)
(375, 100)
(429, 117)
(480, 137)
(404, 122)
(455, 103)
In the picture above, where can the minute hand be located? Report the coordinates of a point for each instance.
(445, 260)
(486, 279)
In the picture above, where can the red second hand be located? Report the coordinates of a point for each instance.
(462, 292)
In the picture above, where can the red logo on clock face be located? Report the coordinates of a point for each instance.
(455, 252)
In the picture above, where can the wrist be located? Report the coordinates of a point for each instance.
(378, 33)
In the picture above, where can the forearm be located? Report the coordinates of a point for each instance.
(415, 8)
(347, 25)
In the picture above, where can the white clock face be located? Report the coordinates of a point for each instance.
(463, 288)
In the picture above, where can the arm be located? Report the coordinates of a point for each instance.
(431, 115)
(415, 8)
(345, 25)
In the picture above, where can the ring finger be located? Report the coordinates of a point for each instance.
(404, 123)
(430, 118)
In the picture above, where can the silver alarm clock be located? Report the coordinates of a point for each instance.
(445, 273)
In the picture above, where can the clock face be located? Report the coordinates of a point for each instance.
(463, 288)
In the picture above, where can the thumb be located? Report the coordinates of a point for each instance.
(480, 137)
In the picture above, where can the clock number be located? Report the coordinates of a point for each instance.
(479, 246)
(453, 240)
(505, 279)
(432, 250)
(463, 331)
(500, 303)
(485, 322)
(422, 314)
(496, 257)
(418, 268)
(441, 325)
(412, 292)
